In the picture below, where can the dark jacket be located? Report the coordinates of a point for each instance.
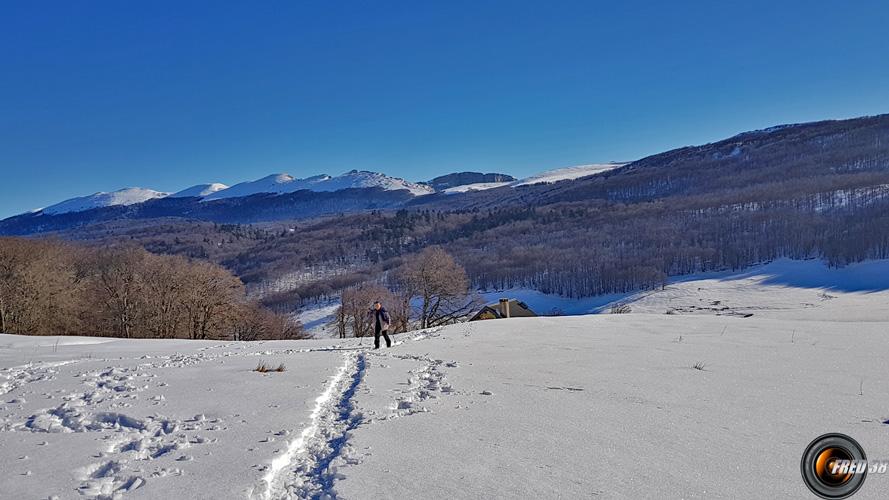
(385, 320)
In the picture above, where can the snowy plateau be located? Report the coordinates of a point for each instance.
(587, 406)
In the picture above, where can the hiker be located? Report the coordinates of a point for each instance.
(382, 323)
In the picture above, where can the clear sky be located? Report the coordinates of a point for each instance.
(100, 95)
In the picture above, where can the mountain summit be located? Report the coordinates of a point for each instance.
(199, 191)
(126, 196)
(285, 183)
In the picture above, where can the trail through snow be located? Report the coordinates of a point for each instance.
(304, 469)
(512, 408)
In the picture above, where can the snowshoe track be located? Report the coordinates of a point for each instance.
(306, 468)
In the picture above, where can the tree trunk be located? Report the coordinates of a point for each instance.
(2, 316)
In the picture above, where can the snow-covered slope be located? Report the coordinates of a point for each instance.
(200, 190)
(284, 183)
(365, 179)
(480, 186)
(567, 173)
(783, 289)
(274, 184)
(317, 318)
(600, 406)
(127, 196)
(548, 177)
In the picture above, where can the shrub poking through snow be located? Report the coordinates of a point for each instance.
(263, 367)
(620, 309)
(699, 366)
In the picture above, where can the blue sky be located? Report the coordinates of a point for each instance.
(99, 95)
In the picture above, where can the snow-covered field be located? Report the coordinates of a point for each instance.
(784, 289)
(597, 406)
(781, 289)
(788, 289)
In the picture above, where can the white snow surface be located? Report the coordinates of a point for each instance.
(479, 186)
(316, 318)
(595, 406)
(544, 304)
(782, 288)
(567, 173)
(285, 183)
(126, 196)
(200, 190)
(547, 177)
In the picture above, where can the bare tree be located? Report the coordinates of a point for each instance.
(14, 259)
(352, 318)
(53, 288)
(209, 291)
(399, 307)
(439, 283)
(253, 322)
(38, 288)
(163, 294)
(119, 283)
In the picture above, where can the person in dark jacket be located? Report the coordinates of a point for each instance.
(382, 323)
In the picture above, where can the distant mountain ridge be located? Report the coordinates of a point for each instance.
(253, 198)
(779, 162)
(285, 183)
(443, 182)
(200, 191)
(126, 196)
(275, 184)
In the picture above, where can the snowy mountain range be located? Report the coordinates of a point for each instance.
(200, 191)
(282, 183)
(758, 157)
(126, 196)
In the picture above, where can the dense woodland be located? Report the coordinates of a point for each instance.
(810, 191)
(57, 288)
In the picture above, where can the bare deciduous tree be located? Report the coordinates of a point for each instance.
(38, 287)
(119, 281)
(53, 288)
(352, 318)
(253, 322)
(439, 283)
(209, 291)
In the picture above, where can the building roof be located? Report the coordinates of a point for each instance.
(517, 309)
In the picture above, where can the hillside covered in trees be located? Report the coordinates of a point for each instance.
(818, 190)
(56, 288)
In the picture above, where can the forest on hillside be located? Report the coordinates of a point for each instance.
(574, 249)
(810, 191)
(56, 288)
